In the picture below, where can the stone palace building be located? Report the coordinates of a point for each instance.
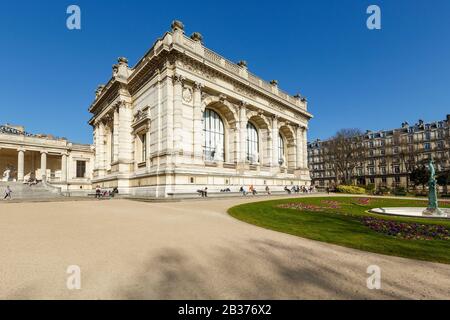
(58, 162)
(185, 118)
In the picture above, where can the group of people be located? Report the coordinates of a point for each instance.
(203, 192)
(252, 190)
(99, 193)
(31, 182)
(299, 189)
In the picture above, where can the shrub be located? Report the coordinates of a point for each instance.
(350, 189)
(421, 194)
(383, 190)
(370, 188)
(400, 191)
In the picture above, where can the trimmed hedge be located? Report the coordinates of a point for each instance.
(350, 189)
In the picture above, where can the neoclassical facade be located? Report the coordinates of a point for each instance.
(55, 161)
(185, 118)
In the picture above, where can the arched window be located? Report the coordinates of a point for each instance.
(214, 132)
(252, 143)
(281, 155)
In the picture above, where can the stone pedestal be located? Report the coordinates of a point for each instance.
(436, 212)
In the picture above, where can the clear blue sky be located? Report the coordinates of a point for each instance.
(352, 77)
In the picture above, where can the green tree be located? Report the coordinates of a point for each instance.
(419, 176)
(443, 179)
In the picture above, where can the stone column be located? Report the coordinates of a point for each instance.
(177, 112)
(305, 153)
(64, 167)
(43, 165)
(100, 152)
(197, 116)
(300, 147)
(125, 136)
(116, 128)
(275, 134)
(166, 110)
(20, 164)
(96, 145)
(148, 144)
(243, 132)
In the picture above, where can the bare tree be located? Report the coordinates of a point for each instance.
(344, 152)
(407, 152)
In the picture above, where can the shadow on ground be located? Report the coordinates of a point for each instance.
(265, 269)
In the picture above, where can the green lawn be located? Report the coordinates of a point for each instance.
(340, 223)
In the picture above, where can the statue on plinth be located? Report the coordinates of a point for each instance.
(433, 208)
(7, 174)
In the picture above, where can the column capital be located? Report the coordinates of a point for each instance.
(198, 86)
(241, 105)
(20, 149)
(44, 151)
(178, 79)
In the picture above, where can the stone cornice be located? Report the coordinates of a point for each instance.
(176, 41)
(244, 89)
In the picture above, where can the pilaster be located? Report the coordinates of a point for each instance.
(275, 134)
(197, 123)
(177, 113)
(243, 132)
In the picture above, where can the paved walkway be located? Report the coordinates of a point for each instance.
(186, 250)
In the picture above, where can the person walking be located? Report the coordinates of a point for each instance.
(8, 192)
(268, 190)
(97, 192)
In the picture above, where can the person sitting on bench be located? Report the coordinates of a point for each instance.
(203, 192)
(287, 190)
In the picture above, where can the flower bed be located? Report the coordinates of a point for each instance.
(410, 231)
(363, 201)
(330, 204)
(300, 206)
(325, 204)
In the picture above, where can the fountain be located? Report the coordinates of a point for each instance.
(432, 211)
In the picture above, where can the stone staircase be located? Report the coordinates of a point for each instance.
(23, 191)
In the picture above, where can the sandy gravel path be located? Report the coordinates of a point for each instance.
(186, 250)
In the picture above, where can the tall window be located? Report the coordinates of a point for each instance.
(144, 147)
(81, 169)
(281, 157)
(214, 136)
(252, 143)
